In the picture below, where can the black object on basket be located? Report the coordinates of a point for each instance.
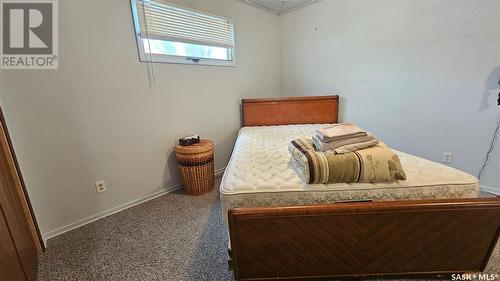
(190, 140)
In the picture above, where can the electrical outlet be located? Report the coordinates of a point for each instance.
(447, 157)
(100, 187)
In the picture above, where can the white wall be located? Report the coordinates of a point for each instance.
(433, 62)
(95, 118)
(415, 73)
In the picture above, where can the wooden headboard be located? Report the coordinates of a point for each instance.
(290, 110)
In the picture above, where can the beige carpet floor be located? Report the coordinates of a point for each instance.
(173, 237)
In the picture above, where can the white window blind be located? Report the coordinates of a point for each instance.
(160, 20)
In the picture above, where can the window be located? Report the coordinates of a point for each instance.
(168, 33)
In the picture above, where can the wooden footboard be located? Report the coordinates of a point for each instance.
(367, 238)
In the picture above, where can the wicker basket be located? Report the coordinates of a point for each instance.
(196, 167)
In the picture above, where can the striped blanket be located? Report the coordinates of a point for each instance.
(374, 164)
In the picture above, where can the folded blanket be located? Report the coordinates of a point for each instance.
(374, 164)
(340, 131)
(345, 145)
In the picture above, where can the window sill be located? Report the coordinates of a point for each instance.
(185, 60)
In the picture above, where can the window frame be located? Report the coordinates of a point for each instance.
(171, 59)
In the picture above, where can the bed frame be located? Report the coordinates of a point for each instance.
(355, 239)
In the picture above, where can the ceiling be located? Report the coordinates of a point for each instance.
(280, 6)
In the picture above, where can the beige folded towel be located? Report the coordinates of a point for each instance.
(340, 131)
(355, 146)
(332, 145)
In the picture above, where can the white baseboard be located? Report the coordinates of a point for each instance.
(82, 222)
(219, 172)
(60, 230)
(493, 190)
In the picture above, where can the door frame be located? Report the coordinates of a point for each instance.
(32, 222)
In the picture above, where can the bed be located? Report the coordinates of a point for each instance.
(283, 228)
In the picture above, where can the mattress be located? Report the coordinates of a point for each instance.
(260, 173)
